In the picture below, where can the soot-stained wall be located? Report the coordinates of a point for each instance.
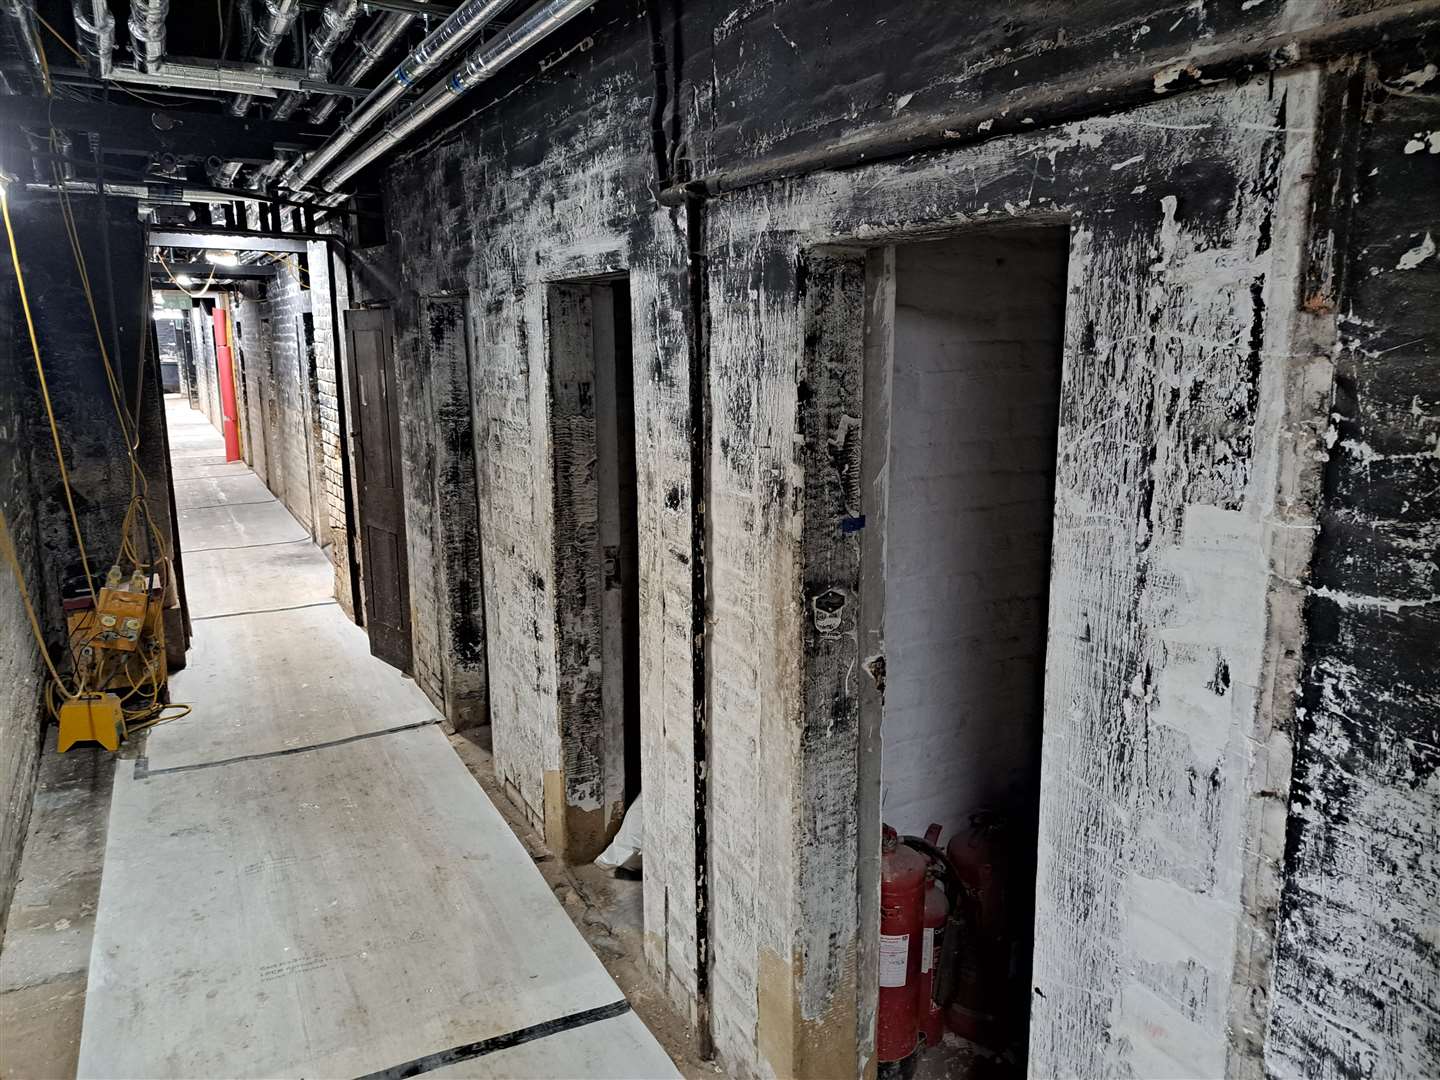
(31, 490)
(1357, 989)
(282, 393)
(1160, 559)
(20, 662)
(1194, 404)
(556, 187)
(326, 277)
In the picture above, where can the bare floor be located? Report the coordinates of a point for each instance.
(302, 878)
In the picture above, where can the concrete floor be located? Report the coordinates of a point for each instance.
(301, 878)
(46, 956)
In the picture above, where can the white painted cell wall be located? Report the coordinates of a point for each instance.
(976, 378)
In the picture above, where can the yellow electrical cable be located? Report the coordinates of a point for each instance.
(187, 292)
(129, 427)
(154, 713)
(72, 234)
(13, 559)
(84, 60)
(44, 60)
(44, 388)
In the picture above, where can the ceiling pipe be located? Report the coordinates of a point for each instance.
(336, 23)
(376, 42)
(268, 37)
(147, 31)
(438, 46)
(534, 25)
(95, 32)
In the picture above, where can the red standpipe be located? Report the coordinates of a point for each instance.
(902, 900)
(225, 362)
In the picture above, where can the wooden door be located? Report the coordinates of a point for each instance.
(384, 569)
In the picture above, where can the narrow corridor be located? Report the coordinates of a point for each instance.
(301, 877)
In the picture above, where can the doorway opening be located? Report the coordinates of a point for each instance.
(973, 332)
(596, 564)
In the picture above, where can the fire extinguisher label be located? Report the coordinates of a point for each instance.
(894, 959)
(927, 950)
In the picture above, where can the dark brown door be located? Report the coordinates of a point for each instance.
(385, 575)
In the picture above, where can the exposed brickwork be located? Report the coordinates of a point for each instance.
(975, 387)
(281, 400)
(328, 372)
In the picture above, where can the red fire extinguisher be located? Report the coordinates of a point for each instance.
(902, 892)
(928, 1013)
(981, 977)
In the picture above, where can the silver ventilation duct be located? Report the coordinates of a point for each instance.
(368, 50)
(230, 78)
(147, 31)
(268, 36)
(444, 41)
(95, 31)
(335, 26)
(535, 24)
(225, 175)
(27, 35)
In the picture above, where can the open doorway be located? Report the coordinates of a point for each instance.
(971, 332)
(596, 568)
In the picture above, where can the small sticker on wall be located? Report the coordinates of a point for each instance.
(927, 950)
(894, 958)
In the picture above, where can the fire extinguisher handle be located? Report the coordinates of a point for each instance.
(929, 850)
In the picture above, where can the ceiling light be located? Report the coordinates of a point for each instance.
(224, 258)
(184, 279)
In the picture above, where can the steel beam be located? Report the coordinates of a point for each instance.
(185, 237)
(201, 271)
(133, 128)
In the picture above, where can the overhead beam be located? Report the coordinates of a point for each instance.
(201, 271)
(180, 236)
(133, 128)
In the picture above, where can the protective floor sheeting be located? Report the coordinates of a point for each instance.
(230, 580)
(281, 679)
(292, 887)
(237, 488)
(238, 526)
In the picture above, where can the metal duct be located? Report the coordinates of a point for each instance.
(95, 31)
(225, 175)
(147, 31)
(268, 36)
(252, 79)
(154, 192)
(27, 36)
(447, 38)
(246, 11)
(368, 50)
(336, 23)
(537, 23)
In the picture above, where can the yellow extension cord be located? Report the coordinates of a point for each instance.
(155, 713)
